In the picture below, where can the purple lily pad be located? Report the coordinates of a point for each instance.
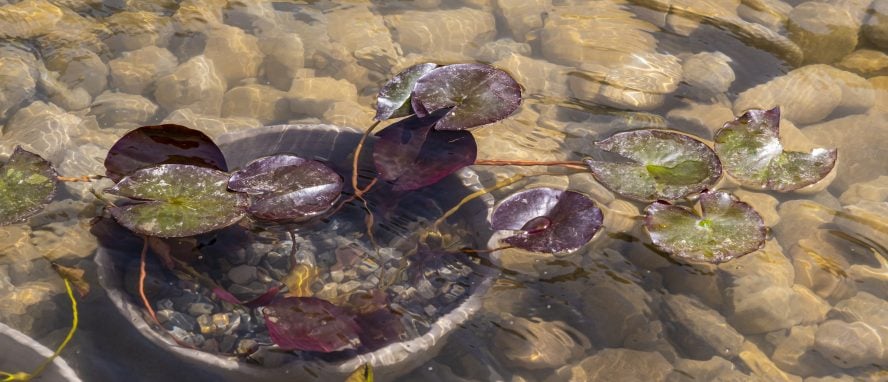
(263, 300)
(393, 100)
(751, 151)
(163, 144)
(478, 94)
(650, 165)
(727, 228)
(550, 220)
(310, 324)
(287, 188)
(177, 200)
(27, 184)
(412, 155)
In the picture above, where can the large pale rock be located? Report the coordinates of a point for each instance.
(250, 15)
(455, 30)
(235, 54)
(130, 30)
(708, 73)
(313, 96)
(135, 71)
(348, 113)
(714, 369)
(212, 126)
(701, 119)
(876, 27)
(501, 49)
(42, 128)
(79, 67)
(28, 19)
(616, 312)
(616, 365)
(699, 281)
(794, 352)
(58, 92)
(820, 266)
(522, 17)
(17, 84)
(284, 56)
(699, 331)
(575, 35)
(538, 344)
(261, 102)
(865, 62)
(536, 76)
(799, 217)
(852, 344)
(122, 110)
(825, 32)
(194, 84)
(860, 140)
(363, 33)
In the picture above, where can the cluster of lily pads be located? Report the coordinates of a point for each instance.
(172, 181)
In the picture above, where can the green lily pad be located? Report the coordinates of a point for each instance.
(394, 98)
(27, 184)
(175, 200)
(650, 165)
(750, 149)
(727, 228)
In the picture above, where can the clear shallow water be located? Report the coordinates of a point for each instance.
(810, 305)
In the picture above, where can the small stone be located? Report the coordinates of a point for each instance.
(171, 319)
(794, 353)
(538, 344)
(195, 340)
(616, 365)
(195, 85)
(132, 30)
(876, 27)
(284, 56)
(700, 331)
(242, 274)
(212, 126)
(28, 19)
(235, 54)
(246, 346)
(349, 286)
(854, 344)
(122, 110)
(865, 62)
(502, 48)
(135, 71)
(615, 311)
(708, 73)
(451, 30)
(260, 102)
(714, 369)
(522, 17)
(200, 308)
(79, 67)
(820, 266)
(226, 345)
(42, 128)
(863, 307)
(19, 84)
(314, 96)
(348, 113)
(805, 95)
(825, 32)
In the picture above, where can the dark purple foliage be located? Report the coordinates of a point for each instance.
(263, 300)
(478, 94)
(550, 220)
(310, 324)
(412, 155)
(164, 144)
(380, 327)
(393, 99)
(287, 187)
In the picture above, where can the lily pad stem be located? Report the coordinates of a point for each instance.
(142, 275)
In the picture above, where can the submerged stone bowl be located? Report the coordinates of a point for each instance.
(20, 353)
(334, 146)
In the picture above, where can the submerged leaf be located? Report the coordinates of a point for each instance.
(148, 146)
(75, 276)
(655, 165)
(550, 220)
(363, 374)
(263, 300)
(310, 324)
(412, 155)
(27, 184)
(728, 228)
(478, 94)
(174, 200)
(287, 188)
(750, 149)
(394, 98)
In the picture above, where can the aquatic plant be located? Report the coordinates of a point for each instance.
(172, 182)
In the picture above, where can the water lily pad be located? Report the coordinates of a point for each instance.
(310, 324)
(175, 200)
(27, 184)
(412, 155)
(750, 149)
(393, 100)
(727, 228)
(479, 94)
(287, 187)
(549, 220)
(650, 165)
(163, 144)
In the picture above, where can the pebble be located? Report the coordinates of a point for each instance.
(19, 84)
(42, 128)
(261, 102)
(794, 352)
(195, 85)
(852, 344)
(79, 67)
(865, 62)
(200, 308)
(284, 56)
(708, 74)
(535, 344)
(698, 330)
(825, 32)
(242, 274)
(615, 312)
(523, 18)
(224, 44)
(314, 96)
(124, 110)
(133, 30)
(713, 369)
(135, 71)
(451, 30)
(171, 319)
(820, 266)
(28, 19)
(876, 27)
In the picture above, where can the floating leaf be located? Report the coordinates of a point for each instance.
(287, 188)
(752, 153)
(550, 220)
(75, 276)
(650, 165)
(176, 200)
(263, 300)
(27, 184)
(311, 324)
(412, 155)
(478, 94)
(148, 146)
(363, 374)
(728, 228)
(394, 98)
